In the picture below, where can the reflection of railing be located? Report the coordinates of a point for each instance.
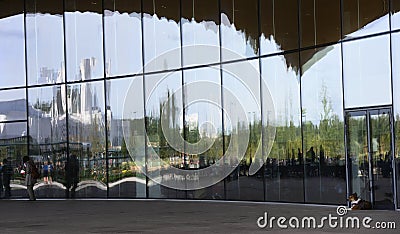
(14, 140)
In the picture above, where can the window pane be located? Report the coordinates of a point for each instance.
(161, 34)
(163, 109)
(200, 27)
(47, 127)
(367, 72)
(320, 22)
(45, 54)
(323, 128)
(12, 105)
(283, 83)
(396, 105)
(84, 39)
(203, 129)
(86, 127)
(363, 17)
(279, 25)
(13, 146)
(239, 28)
(12, 43)
(242, 80)
(125, 179)
(123, 37)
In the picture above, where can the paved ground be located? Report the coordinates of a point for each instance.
(174, 216)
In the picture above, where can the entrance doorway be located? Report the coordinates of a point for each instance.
(370, 156)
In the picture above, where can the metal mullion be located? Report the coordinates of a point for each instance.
(65, 82)
(391, 117)
(26, 83)
(299, 42)
(370, 158)
(105, 101)
(261, 99)
(222, 89)
(144, 99)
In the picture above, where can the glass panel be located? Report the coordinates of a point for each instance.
(47, 127)
(396, 106)
(12, 43)
(395, 20)
(320, 22)
(366, 66)
(279, 25)
(125, 179)
(244, 84)
(163, 106)
(200, 27)
(12, 105)
(283, 83)
(203, 125)
(161, 34)
(381, 159)
(239, 28)
(323, 127)
(45, 54)
(86, 162)
(357, 151)
(123, 37)
(364, 17)
(13, 146)
(84, 39)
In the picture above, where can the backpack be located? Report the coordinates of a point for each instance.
(35, 171)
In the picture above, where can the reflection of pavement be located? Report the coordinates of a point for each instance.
(87, 188)
(325, 191)
(166, 216)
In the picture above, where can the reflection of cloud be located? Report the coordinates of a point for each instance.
(4, 34)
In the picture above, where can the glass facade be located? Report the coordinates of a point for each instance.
(145, 99)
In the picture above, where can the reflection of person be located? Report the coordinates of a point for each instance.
(7, 174)
(311, 154)
(29, 180)
(299, 156)
(47, 171)
(72, 176)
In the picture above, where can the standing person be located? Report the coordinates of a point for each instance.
(47, 172)
(29, 180)
(72, 176)
(7, 174)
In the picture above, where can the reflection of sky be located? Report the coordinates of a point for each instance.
(396, 70)
(84, 40)
(12, 51)
(45, 44)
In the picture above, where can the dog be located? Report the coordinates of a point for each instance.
(358, 203)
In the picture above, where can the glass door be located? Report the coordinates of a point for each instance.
(370, 154)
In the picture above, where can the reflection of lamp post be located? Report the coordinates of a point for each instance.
(304, 117)
(251, 120)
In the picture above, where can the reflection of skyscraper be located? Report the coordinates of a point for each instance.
(48, 75)
(86, 98)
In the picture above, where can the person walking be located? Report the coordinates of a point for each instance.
(29, 180)
(7, 174)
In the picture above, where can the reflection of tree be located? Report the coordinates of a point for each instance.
(43, 106)
(328, 133)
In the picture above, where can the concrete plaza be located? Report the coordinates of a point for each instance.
(172, 216)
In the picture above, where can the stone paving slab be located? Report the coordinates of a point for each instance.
(175, 216)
